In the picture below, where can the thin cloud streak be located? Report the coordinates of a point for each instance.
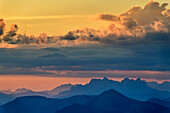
(49, 17)
(158, 75)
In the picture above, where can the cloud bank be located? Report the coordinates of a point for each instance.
(135, 25)
(136, 43)
(150, 24)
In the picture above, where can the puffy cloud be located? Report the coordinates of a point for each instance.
(2, 26)
(151, 12)
(131, 27)
(158, 26)
(12, 31)
(137, 22)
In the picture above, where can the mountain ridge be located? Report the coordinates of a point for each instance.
(112, 101)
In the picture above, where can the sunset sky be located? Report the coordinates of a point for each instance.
(56, 17)
(122, 43)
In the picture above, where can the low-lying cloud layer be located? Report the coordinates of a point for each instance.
(143, 60)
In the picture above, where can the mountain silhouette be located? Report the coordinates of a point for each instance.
(160, 102)
(39, 104)
(165, 86)
(109, 101)
(136, 89)
(4, 98)
(21, 90)
(59, 89)
(112, 101)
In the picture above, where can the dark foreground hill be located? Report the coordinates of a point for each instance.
(39, 104)
(165, 102)
(109, 101)
(113, 102)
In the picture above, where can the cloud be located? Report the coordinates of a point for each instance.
(137, 22)
(88, 61)
(2, 26)
(12, 31)
(131, 27)
(159, 75)
(151, 12)
(48, 71)
(128, 43)
(8, 46)
(50, 17)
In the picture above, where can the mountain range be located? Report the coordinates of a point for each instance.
(165, 86)
(136, 89)
(164, 103)
(112, 101)
(109, 101)
(7, 96)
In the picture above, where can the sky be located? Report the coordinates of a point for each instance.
(56, 17)
(107, 38)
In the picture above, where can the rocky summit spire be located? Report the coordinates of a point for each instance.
(105, 78)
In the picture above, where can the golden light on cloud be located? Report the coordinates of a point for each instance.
(50, 17)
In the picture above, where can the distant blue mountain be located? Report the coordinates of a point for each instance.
(49, 93)
(136, 89)
(165, 86)
(113, 102)
(6, 98)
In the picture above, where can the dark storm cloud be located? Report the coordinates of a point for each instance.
(146, 56)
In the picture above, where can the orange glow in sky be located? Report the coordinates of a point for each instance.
(38, 83)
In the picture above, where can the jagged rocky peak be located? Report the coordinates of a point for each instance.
(127, 80)
(105, 78)
(138, 79)
(93, 80)
(132, 81)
